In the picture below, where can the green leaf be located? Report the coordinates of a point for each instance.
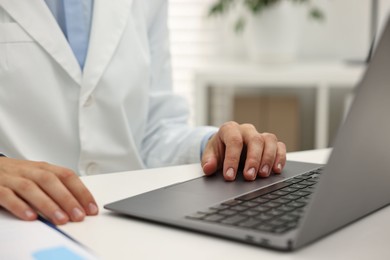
(317, 14)
(220, 7)
(239, 25)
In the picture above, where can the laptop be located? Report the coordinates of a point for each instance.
(304, 203)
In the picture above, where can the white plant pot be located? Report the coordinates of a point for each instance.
(273, 36)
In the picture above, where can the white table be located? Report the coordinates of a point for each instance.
(321, 76)
(114, 237)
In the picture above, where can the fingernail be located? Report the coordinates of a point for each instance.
(252, 173)
(93, 209)
(279, 166)
(230, 173)
(265, 170)
(29, 214)
(59, 215)
(77, 214)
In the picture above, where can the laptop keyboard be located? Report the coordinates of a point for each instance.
(274, 209)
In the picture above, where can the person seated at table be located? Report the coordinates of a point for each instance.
(85, 88)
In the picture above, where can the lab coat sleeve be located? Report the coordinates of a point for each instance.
(168, 140)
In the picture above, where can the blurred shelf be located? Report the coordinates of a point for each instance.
(321, 76)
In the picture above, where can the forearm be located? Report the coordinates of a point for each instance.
(173, 145)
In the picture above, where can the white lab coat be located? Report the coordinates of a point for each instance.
(118, 114)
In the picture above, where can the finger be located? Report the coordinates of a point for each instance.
(269, 154)
(209, 164)
(76, 198)
(11, 202)
(255, 145)
(34, 196)
(45, 177)
(232, 138)
(73, 183)
(280, 160)
(212, 156)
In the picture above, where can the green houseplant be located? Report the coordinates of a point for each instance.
(273, 28)
(220, 7)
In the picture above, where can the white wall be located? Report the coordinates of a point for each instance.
(346, 32)
(343, 35)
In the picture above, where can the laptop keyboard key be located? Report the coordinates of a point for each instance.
(249, 223)
(227, 212)
(219, 207)
(214, 218)
(234, 219)
(250, 213)
(264, 228)
(239, 207)
(261, 208)
(264, 217)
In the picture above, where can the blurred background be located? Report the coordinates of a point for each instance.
(279, 69)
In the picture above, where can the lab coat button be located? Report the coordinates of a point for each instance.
(92, 168)
(89, 101)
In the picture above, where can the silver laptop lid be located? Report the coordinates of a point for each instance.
(361, 153)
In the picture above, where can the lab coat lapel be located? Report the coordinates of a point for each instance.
(108, 24)
(35, 17)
